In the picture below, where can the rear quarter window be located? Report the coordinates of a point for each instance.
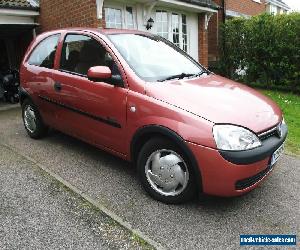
(44, 53)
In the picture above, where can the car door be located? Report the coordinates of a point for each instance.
(93, 111)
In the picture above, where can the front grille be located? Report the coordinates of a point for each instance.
(269, 133)
(245, 183)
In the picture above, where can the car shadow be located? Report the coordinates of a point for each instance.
(94, 153)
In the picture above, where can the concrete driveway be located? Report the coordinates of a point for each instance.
(216, 223)
(38, 212)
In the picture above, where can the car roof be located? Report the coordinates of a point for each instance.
(101, 31)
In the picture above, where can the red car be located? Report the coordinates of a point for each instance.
(141, 98)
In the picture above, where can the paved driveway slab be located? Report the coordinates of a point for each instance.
(273, 208)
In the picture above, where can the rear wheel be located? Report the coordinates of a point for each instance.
(32, 120)
(165, 172)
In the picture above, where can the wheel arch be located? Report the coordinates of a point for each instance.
(23, 94)
(147, 132)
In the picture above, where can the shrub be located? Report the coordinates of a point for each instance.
(264, 49)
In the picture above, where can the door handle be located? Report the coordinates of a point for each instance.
(57, 86)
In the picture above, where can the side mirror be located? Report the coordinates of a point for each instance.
(116, 80)
(99, 73)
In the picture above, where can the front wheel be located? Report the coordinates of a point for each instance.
(165, 172)
(32, 120)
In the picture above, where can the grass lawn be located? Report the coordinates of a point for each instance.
(290, 105)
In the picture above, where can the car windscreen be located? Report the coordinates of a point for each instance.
(153, 58)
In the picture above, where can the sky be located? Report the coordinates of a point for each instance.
(294, 4)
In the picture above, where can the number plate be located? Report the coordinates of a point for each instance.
(276, 155)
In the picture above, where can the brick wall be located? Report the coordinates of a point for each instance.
(56, 14)
(213, 34)
(203, 41)
(248, 7)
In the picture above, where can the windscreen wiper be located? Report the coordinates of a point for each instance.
(179, 77)
(201, 73)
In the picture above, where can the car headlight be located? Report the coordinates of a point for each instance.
(234, 138)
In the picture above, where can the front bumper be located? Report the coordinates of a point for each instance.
(269, 146)
(238, 173)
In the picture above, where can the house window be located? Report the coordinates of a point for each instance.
(129, 18)
(162, 24)
(172, 26)
(119, 17)
(184, 34)
(273, 9)
(113, 18)
(175, 29)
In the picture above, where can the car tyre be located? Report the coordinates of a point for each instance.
(32, 120)
(165, 172)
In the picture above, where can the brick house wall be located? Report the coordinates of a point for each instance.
(245, 7)
(203, 41)
(213, 35)
(57, 14)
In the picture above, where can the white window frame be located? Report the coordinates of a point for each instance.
(273, 9)
(170, 32)
(156, 23)
(179, 16)
(114, 24)
(134, 19)
(122, 7)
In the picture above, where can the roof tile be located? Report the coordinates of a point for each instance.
(16, 4)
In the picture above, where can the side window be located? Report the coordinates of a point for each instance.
(44, 53)
(79, 53)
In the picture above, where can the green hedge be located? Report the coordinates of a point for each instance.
(263, 50)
